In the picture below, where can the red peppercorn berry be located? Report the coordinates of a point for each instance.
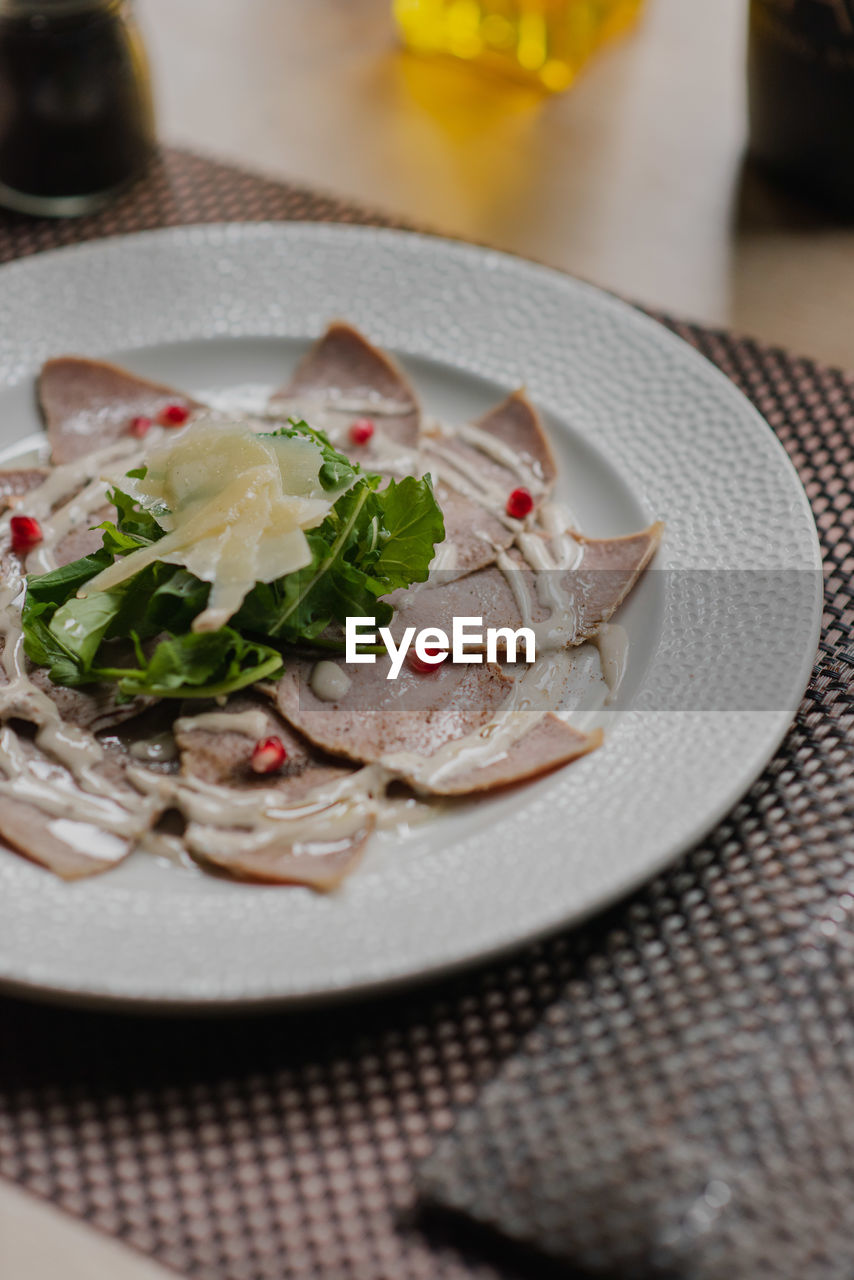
(26, 533)
(174, 415)
(417, 664)
(268, 755)
(362, 430)
(520, 504)
(140, 427)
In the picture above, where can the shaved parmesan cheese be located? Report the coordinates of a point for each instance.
(234, 505)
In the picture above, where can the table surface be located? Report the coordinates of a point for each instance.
(634, 180)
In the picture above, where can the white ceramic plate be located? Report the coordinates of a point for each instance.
(644, 429)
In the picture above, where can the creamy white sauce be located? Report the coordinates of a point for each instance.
(87, 839)
(476, 488)
(612, 641)
(253, 723)
(445, 559)
(501, 453)
(313, 408)
(167, 849)
(51, 789)
(542, 573)
(329, 681)
(160, 749)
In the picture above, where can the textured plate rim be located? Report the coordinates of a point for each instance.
(775, 723)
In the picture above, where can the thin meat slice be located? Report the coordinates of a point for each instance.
(217, 754)
(608, 570)
(94, 707)
(376, 717)
(571, 604)
(476, 468)
(484, 594)
(17, 482)
(516, 424)
(315, 863)
(76, 833)
(586, 596)
(89, 404)
(434, 731)
(80, 540)
(61, 845)
(473, 535)
(548, 745)
(343, 378)
(83, 539)
(487, 459)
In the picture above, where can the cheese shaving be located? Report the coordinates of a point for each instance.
(235, 506)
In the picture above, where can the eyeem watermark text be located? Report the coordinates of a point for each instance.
(468, 642)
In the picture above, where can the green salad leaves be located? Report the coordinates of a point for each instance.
(139, 635)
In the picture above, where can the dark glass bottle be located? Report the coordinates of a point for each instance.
(801, 95)
(76, 118)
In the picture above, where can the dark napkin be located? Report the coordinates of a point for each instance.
(677, 1091)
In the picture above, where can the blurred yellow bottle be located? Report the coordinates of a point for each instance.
(540, 41)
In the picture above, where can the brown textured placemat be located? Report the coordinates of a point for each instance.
(677, 1090)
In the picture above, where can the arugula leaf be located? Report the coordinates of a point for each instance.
(60, 584)
(44, 649)
(117, 542)
(47, 595)
(411, 524)
(132, 519)
(372, 542)
(174, 604)
(302, 604)
(80, 625)
(207, 664)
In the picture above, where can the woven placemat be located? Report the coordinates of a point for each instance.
(677, 1088)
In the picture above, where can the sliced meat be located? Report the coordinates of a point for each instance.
(84, 538)
(376, 717)
(88, 404)
(473, 535)
(51, 821)
(412, 724)
(94, 707)
(15, 483)
(214, 753)
(485, 594)
(344, 377)
(549, 744)
(516, 424)
(320, 863)
(61, 845)
(586, 596)
(490, 458)
(609, 569)
(221, 756)
(79, 541)
(144, 739)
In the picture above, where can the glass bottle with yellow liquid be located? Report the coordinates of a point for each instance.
(544, 42)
